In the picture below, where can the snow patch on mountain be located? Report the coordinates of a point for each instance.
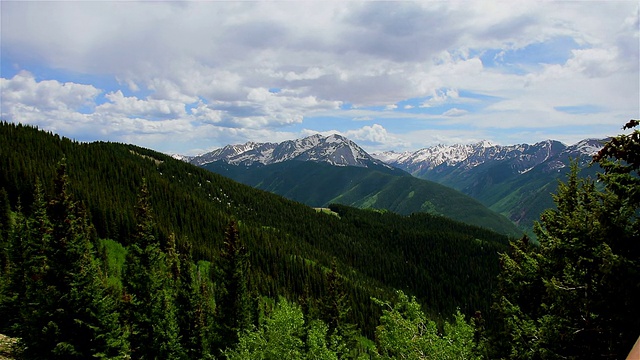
(522, 157)
(333, 149)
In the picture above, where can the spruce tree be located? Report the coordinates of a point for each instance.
(149, 293)
(575, 295)
(233, 305)
(5, 227)
(32, 295)
(65, 312)
(193, 303)
(336, 313)
(12, 293)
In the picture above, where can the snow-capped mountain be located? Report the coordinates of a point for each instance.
(514, 180)
(185, 158)
(333, 149)
(521, 157)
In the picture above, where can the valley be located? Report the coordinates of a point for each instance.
(513, 182)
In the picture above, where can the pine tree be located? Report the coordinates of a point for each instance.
(5, 227)
(574, 296)
(233, 305)
(31, 248)
(149, 296)
(14, 282)
(336, 313)
(194, 305)
(64, 310)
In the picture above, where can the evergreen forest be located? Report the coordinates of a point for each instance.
(114, 251)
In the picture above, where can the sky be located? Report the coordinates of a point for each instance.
(190, 77)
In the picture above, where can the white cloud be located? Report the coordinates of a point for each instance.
(24, 90)
(374, 133)
(440, 97)
(134, 107)
(207, 67)
(455, 112)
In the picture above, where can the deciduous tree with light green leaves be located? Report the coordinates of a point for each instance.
(405, 333)
(283, 334)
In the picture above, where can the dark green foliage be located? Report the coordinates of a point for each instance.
(194, 303)
(233, 300)
(5, 226)
(290, 247)
(575, 295)
(56, 288)
(343, 335)
(320, 184)
(16, 277)
(149, 291)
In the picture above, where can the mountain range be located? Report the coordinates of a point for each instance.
(515, 181)
(522, 158)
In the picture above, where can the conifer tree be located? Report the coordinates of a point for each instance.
(574, 296)
(65, 312)
(336, 312)
(233, 305)
(31, 250)
(15, 278)
(5, 227)
(193, 303)
(149, 296)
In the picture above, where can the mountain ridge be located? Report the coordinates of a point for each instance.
(513, 180)
(474, 154)
(333, 149)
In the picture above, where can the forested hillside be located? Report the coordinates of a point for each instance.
(115, 251)
(375, 187)
(290, 247)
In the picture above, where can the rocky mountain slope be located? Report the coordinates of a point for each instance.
(514, 180)
(333, 149)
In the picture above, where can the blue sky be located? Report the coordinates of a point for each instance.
(189, 77)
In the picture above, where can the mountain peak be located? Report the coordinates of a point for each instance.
(588, 147)
(334, 149)
(521, 158)
(484, 144)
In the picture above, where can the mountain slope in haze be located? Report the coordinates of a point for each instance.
(321, 184)
(290, 245)
(514, 180)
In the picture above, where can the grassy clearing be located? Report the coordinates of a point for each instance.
(326, 211)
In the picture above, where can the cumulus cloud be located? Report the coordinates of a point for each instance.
(134, 107)
(208, 67)
(374, 133)
(24, 90)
